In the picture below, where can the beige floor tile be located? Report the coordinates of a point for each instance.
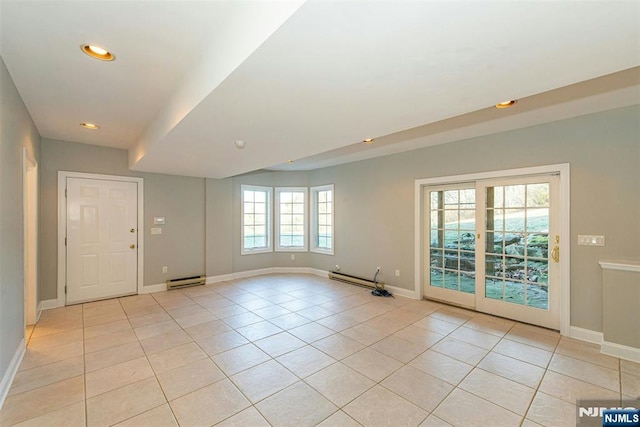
(305, 361)
(339, 383)
(441, 366)
(630, 385)
(501, 391)
(123, 403)
(297, 405)
(629, 367)
(571, 389)
(585, 371)
(551, 412)
(116, 376)
(395, 411)
(112, 356)
(53, 340)
(399, 349)
(263, 380)
(512, 369)
(250, 417)
(146, 310)
(225, 309)
(464, 409)
(587, 352)
(423, 307)
(418, 387)
(490, 324)
(47, 328)
(47, 374)
(22, 407)
(365, 334)
(68, 416)
(256, 304)
(311, 332)
(207, 329)
(156, 417)
(524, 352)
(534, 339)
(112, 309)
(475, 337)
(529, 423)
(259, 330)
(289, 321)
(176, 357)
(338, 322)
(209, 405)
(459, 350)
(419, 336)
(436, 325)
(315, 313)
(240, 358)
(110, 340)
(453, 315)
(155, 329)
(244, 319)
(188, 310)
(189, 378)
(339, 419)
(338, 346)
(149, 319)
(279, 344)
(39, 357)
(104, 318)
(372, 364)
(222, 342)
(433, 421)
(106, 328)
(165, 341)
(195, 319)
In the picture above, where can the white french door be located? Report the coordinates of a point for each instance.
(101, 239)
(494, 246)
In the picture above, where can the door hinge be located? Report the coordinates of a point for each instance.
(65, 290)
(65, 241)
(65, 192)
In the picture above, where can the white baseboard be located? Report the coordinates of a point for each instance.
(12, 369)
(159, 287)
(621, 351)
(585, 335)
(48, 304)
(263, 271)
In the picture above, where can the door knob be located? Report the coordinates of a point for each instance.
(132, 246)
(133, 230)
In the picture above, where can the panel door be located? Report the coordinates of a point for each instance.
(102, 239)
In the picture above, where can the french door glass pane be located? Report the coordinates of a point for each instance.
(452, 239)
(517, 244)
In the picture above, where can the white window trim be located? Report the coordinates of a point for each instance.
(314, 219)
(268, 226)
(303, 248)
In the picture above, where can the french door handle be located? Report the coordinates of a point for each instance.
(555, 254)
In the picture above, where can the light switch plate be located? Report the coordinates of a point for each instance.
(158, 220)
(588, 240)
(156, 230)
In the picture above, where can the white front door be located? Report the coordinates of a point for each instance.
(102, 239)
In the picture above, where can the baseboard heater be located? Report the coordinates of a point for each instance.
(186, 281)
(355, 280)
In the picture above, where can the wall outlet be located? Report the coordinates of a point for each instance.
(164, 269)
(397, 273)
(337, 267)
(293, 257)
(156, 230)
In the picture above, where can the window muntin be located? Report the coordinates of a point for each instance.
(256, 219)
(291, 219)
(322, 219)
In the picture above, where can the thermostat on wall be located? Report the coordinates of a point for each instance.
(158, 220)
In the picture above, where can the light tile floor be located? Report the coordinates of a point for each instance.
(297, 350)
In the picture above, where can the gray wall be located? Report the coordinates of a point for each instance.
(16, 131)
(375, 200)
(181, 200)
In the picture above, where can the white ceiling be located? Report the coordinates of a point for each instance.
(308, 81)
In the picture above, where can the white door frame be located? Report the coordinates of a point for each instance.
(62, 225)
(563, 169)
(30, 221)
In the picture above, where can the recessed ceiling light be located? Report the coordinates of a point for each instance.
(368, 141)
(506, 104)
(98, 52)
(91, 126)
(289, 161)
(240, 144)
